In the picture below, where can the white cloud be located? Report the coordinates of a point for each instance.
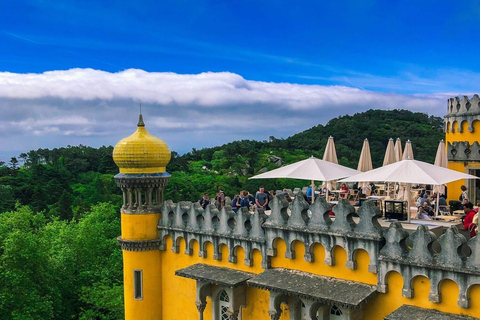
(95, 107)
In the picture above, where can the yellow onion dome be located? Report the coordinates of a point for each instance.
(141, 152)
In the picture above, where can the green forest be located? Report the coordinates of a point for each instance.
(59, 208)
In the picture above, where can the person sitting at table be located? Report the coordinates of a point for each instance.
(468, 220)
(343, 190)
(367, 190)
(422, 214)
(428, 209)
(419, 201)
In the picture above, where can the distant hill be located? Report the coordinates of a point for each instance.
(377, 126)
(228, 166)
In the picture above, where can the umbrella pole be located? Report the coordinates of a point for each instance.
(313, 192)
(436, 205)
(408, 201)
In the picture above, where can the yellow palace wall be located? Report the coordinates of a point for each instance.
(179, 293)
(454, 187)
(140, 227)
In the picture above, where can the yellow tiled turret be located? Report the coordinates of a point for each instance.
(142, 160)
(141, 152)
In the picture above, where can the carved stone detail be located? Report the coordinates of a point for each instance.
(145, 245)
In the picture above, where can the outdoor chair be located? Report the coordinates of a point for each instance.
(353, 195)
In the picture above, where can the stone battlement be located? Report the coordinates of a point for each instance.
(312, 224)
(460, 110)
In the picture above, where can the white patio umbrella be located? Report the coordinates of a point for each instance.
(411, 171)
(389, 153)
(330, 155)
(441, 161)
(365, 160)
(398, 150)
(408, 152)
(312, 169)
(389, 158)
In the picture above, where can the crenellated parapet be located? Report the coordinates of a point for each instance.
(420, 259)
(461, 110)
(191, 222)
(463, 151)
(298, 221)
(311, 224)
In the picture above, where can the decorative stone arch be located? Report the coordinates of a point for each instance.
(232, 257)
(217, 250)
(290, 252)
(467, 295)
(276, 300)
(408, 278)
(163, 243)
(189, 247)
(461, 124)
(353, 257)
(455, 123)
(382, 285)
(203, 248)
(330, 258)
(312, 308)
(447, 127)
(473, 123)
(272, 247)
(309, 251)
(250, 255)
(176, 243)
(407, 290)
(435, 292)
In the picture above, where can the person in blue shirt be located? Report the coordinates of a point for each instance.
(261, 199)
(236, 203)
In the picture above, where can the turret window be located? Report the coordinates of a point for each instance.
(137, 284)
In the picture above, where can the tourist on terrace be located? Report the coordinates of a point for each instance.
(343, 190)
(468, 220)
(428, 209)
(422, 214)
(220, 200)
(236, 203)
(245, 201)
(205, 201)
(464, 194)
(261, 199)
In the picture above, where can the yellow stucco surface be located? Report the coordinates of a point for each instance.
(454, 187)
(179, 293)
(140, 226)
(150, 306)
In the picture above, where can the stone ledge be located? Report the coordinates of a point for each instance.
(145, 245)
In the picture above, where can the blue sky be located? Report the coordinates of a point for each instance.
(359, 54)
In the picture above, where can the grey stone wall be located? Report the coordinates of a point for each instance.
(310, 224)
(461, 110)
